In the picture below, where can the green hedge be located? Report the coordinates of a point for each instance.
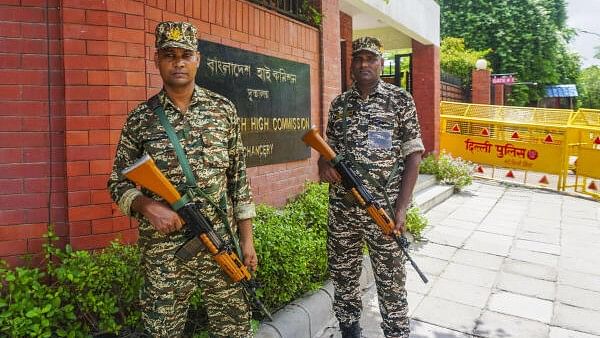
(290, 244)
(80, 293)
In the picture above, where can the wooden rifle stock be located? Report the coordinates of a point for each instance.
(145, 173)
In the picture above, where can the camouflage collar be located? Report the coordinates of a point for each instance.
(197, 96)
(379, 89)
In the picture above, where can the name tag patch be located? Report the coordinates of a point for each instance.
(380, 139)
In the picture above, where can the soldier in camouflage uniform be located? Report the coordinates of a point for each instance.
(209, 132)
(374, 127)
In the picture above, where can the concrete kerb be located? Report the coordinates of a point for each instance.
(307, 316)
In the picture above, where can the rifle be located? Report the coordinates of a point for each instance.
(199, 229)
(361, 194)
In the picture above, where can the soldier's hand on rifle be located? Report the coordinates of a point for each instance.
(327, 173)
(400, 220)
(161, 216)
(250, 258)
(247, 244)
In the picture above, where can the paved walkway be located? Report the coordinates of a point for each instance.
(503, 262)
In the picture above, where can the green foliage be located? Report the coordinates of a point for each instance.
(102, 286)
(527, 37)
(78, 294)
(415, 222)
(290, 244)
(311, 14)
(457, 60)
(83, 293)
(30, 308)
(447, 169)
(588, 86)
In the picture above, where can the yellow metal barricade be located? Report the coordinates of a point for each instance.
(584, 147)
(551, 141)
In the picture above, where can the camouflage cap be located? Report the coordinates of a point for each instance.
(369, 44)
(176, 34)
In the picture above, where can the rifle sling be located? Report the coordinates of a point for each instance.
(192, 189)
(366, 173)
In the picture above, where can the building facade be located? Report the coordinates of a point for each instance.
(71, 70)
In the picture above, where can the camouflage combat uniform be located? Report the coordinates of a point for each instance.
(380, 131)
(209, 133)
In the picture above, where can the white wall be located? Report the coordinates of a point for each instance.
(419, 19)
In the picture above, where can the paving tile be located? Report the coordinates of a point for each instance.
(527, 286)
(578, 297)
(414, 299)
(469, 214)
(497, 325)
(460, 224)
(508, 230)
(537, 247)
(447, 314)
(461, 292)
(436, 216)
(540, 224)
(521, 306)
(548, 238)
(499, 216)
(415, 284)
(577, 319)
(489, 243)
(533, 257)
(578, 279)
(478, 259)
(419, 329)
(586, 263)
(435, 250)
(544, 272)
(558, 332)
(450, 205)
(445, 235)
(470, 275)
(571, 239)
(429, 265)
(544, 212)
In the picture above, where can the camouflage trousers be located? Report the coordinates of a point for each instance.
(348, 229)
(169, 283)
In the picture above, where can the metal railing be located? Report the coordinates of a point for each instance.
(297, 9)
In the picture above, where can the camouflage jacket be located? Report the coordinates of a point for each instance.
(380, 131)
(209, 133)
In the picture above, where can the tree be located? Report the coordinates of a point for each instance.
(588, 86)
(527, 37)
(458, 60)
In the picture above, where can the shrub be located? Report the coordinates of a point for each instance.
(102, 286)
(290, 244)
(31, 308)
(78, 294)
(449, 170)
(415, 222)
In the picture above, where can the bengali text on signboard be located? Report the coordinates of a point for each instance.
(272, 96)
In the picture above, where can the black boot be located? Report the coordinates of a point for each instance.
(351, 331)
